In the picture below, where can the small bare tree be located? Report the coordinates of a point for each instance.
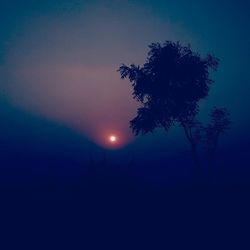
(219, 124)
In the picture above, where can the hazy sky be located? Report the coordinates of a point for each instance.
(58, 59)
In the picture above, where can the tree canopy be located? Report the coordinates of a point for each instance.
(168, 85)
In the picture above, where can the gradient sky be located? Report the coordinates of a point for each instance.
(58, 62)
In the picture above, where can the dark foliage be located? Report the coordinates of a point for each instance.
(219, 124)
(169, 85)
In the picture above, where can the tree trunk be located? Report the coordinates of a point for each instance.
(196, 161)
(211, 163)
(195, 158)
(198, 176)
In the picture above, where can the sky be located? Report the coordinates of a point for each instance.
(59, 86)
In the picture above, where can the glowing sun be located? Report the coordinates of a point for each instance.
(112, 138)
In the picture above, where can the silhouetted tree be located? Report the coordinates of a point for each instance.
(219, 124)
(169, 87)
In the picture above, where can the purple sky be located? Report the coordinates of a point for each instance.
(63, 67)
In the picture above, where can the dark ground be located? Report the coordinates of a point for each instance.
(104, 207)
(54, 197)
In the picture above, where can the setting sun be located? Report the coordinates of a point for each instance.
(113, 138)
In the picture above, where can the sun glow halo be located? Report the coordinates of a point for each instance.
(112, 138)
